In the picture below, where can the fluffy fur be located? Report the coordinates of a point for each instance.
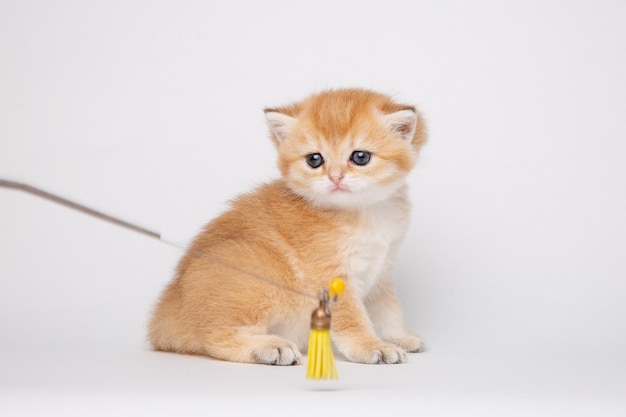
(338, 219)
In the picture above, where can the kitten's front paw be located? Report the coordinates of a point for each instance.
(280, 353)
(383, 353)
(411, 343)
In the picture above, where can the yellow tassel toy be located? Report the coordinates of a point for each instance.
(321, 362)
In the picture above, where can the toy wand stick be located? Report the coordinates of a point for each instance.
(95, 213)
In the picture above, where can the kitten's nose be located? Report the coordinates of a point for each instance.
(335, 175)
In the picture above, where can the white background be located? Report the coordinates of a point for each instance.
(513, 269)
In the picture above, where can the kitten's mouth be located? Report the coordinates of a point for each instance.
(339, 189)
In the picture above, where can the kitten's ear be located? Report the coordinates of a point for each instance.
(280, 124)
(402, 123)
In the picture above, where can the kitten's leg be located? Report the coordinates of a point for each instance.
(227, 314)
(355, 337)
(250, 345)
(385, 312)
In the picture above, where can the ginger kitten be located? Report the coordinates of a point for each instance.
(340, 209)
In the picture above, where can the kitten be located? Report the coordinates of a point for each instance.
(340, 209)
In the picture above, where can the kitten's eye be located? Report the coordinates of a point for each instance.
(315, 160)
(361, 157)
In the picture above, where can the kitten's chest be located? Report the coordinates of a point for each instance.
(369, 249)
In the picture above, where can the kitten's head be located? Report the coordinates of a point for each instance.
(346, 148)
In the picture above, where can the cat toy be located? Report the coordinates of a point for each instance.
(321, 361)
